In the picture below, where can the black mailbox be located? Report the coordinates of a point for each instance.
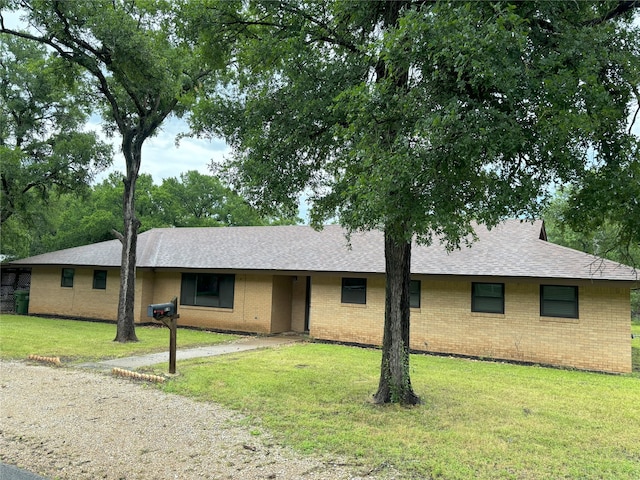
(160, 310)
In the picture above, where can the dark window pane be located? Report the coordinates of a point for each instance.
(414, 293)
(207, 290)
(487, 297)
(100, 279)
(562, 293)
(559, 301)
(67, 277)
(226, 288)
(493, 290)
(354, 290)
(487, 304)
(188, 289)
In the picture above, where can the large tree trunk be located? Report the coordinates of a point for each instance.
(126, 329)
(395, 384)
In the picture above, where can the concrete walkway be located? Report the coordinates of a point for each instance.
(9, 472)
(241, 345)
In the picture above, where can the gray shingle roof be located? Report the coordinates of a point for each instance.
(512, 249)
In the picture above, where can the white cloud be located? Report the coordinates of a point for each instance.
(161, 157)
(13, 20)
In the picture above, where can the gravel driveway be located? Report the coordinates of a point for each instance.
(74, 424)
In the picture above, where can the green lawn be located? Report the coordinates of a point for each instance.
(479, 420)
(635, 348)
(78, 341)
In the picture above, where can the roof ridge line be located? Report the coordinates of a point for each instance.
(151, 247)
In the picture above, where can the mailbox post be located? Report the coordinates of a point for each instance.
(167, 313)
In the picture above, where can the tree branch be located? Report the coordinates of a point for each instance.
(331, 37)
(67, 29)
(635, 115)
(623, 7)
(80, 58)
(118, 235)
(78, 46)
(6, 212)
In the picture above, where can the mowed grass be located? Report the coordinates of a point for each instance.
(82, 341)
(479, 420)
(635, 348)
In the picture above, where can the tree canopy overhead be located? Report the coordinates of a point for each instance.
(608, 196)
(493, 100)
(44, 106)
(419, 118)
(196, 200)
(141, 71)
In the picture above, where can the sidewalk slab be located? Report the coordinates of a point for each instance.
(244, 344)
(10, 472)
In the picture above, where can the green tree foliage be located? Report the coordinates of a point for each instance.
(607, 200)
(417, 118)
(141, 71)
(599, 234)
(91, 218)
(196, 200)
(192, 200)
(43, 109)
(21, 238)
(604, 237)
(72, 219)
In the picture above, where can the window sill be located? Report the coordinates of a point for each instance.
(559, 320)
(488, 315)
(205, 309)
(354, 305)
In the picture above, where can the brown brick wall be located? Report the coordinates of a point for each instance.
(251, 310)
(47, 297)
(598, 340)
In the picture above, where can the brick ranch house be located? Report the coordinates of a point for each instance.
(511, 295)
